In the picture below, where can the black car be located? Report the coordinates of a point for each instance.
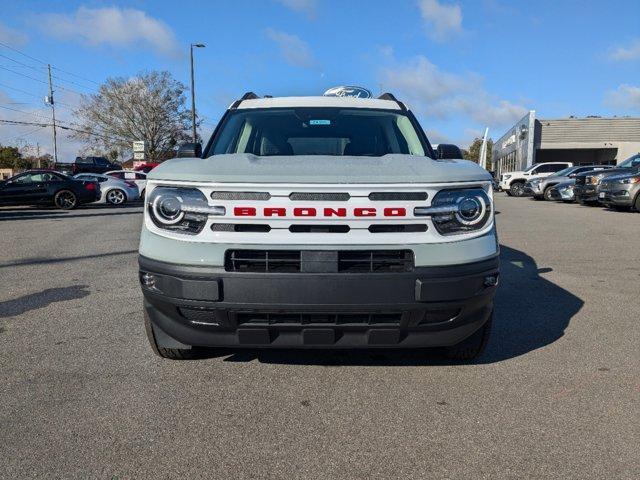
(586, 187)
(46, 187)
(89, 165)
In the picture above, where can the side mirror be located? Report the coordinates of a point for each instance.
(189, 150)
(447, 151)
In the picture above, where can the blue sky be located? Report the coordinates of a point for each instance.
(461, 65)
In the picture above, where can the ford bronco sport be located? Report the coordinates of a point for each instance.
(318, 222)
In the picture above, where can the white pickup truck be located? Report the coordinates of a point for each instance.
(318, 222)
(513, 182)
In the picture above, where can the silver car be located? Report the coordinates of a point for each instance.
(541, 187)
(114, 191)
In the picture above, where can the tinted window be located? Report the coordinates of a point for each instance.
(100, 161)
(141, 176)
(317, 131)
(631, 162)
(117, 174)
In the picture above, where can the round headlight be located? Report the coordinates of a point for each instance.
(470, 210)
(167, 208)
(179, 209)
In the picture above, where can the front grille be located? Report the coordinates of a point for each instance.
(362, 261)
(319, 228)
(329, 197)
(348, 261)
(319, 319)
(410, 228)
(408, 196)
(240, 227)
(282, 261)
(240, 195)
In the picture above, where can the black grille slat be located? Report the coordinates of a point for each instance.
(241, 227)
(391, 228)
(319, 319)
(290, 261)
(221, 195)
(399, 196)
(315, 197)
(319, 228)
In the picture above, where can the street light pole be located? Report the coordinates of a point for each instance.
(193, 94)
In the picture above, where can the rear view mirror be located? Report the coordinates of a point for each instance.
(447, 151)
(189, 150)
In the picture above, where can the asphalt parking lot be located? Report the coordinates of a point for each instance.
(557, 394)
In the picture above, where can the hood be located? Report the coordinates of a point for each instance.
(248, 168)
(608, 172)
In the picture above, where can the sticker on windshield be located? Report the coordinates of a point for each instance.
(319, 122)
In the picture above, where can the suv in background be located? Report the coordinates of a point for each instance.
(620, 191)
(586, 187)
(541, 187)
(513, 182)
(93, 165)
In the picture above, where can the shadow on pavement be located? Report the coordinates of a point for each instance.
(34, 301)
(96, 211)
(530, 312)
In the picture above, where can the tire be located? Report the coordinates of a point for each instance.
(636, 204)
(116, 197)
(65, 200)
(547, 194)
(517, 189)
(473, 346)
(170, 353)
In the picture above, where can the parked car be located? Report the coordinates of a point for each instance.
(620, 191)
(114, 191)
(513, 182)
(146, 167)
(90, 165)
(540, 187)
(46, 187)
(562, 191)
(586, 188)
(139, 178)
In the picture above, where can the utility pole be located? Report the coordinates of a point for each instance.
(53, 120)
(193, 94)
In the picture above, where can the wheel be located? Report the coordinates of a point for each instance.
(547, 194)
(170, 353)
(473, 346)
(636, 204)
(116, 197)
(517, 189)
(66, 200)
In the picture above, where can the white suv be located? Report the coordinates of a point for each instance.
(318, 222)
(513, 182)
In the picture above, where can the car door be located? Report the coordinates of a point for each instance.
(25, 189)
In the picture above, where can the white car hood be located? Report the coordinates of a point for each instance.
(248, 168)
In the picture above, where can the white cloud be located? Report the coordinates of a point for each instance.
(623, 54)
(12, 37)
(308, 7)
(443, 95)
(111, 26)
(442, 21)
(626, 98)
(295, 51)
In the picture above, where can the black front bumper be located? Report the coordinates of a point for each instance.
(426, 307)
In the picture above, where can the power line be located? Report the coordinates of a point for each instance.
(16, 122)
(22, 53)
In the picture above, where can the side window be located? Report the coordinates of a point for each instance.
(141, 176)
(23, 180)
(117, 174)
(101, 162)
(636, 162)
(129, 175)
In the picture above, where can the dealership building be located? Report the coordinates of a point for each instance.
(583, 141)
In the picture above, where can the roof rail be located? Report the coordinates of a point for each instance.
(390, 96)
(246, 96)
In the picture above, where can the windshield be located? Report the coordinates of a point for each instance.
(318, 131)
(633, 161)
(564, 172)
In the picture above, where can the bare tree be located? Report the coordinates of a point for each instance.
(149, 107)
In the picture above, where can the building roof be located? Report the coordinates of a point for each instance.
(594, 129)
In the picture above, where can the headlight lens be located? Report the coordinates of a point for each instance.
(458, 211)
(506, 177)
(178, 209)
(630, 180)
(594, 179)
